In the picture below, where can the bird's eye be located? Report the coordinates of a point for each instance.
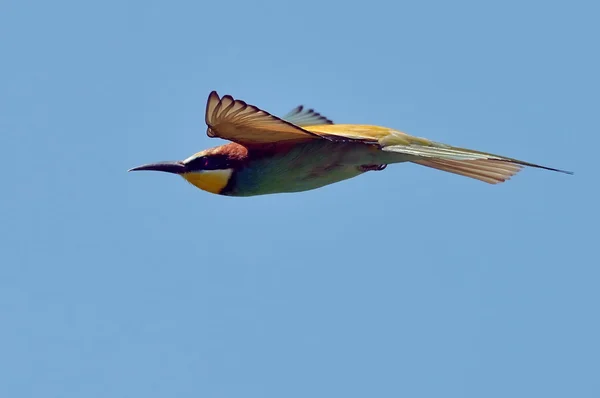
(198, 163)
(207, 163)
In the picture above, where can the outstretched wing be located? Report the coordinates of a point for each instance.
(483, 166)
(237, 121)
(306, 117)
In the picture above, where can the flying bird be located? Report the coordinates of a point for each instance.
(305, 150)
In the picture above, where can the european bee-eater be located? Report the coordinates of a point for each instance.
(305, 150)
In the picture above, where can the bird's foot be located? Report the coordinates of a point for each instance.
(372, 167)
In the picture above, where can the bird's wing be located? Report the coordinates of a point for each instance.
(351, 132)
(483, 166)
(237, 121)
(306, 117)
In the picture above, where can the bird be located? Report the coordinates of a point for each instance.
(304, 150)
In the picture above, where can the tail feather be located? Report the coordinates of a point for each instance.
(483, 166)
(490, 171)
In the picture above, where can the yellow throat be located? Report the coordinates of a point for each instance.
(212, 181)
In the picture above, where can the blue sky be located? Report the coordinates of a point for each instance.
(409, 282)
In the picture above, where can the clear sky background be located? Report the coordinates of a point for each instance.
(405, 283)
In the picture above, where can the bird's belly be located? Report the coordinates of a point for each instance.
(292, 180)
(307, 179)
(299, 170)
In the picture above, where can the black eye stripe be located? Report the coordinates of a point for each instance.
(213, 162)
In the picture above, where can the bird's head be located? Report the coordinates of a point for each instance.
(210, 170)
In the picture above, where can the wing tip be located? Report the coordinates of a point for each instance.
(297, 110)
(213, 96)
(303, 116)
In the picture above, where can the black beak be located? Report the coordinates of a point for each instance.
(167, 167)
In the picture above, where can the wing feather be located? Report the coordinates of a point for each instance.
(237, 121)
(306, 117)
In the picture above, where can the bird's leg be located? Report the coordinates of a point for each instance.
(372, 167)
